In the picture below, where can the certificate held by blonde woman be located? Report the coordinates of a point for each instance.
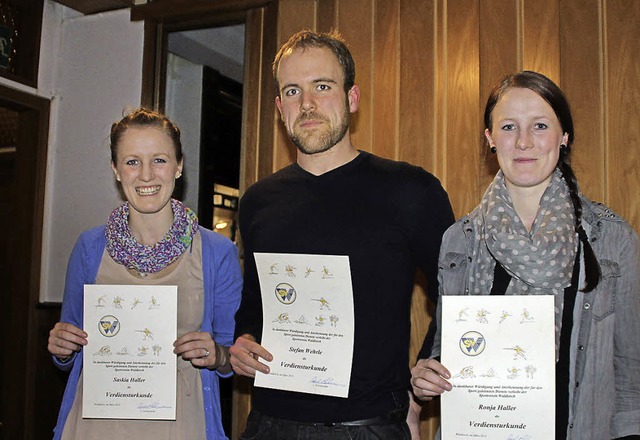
(129, 369)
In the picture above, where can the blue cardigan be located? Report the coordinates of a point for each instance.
(222, 287)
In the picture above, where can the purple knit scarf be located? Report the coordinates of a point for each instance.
(125, 250)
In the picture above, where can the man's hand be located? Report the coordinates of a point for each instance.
(413, 417)
(244, 356)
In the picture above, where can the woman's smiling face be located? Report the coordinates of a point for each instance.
(147, 168)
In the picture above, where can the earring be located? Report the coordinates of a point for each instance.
(493, 149)
(563, 147)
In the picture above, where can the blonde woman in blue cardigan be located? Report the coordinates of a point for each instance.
(153, 239)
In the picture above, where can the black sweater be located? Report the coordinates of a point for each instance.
(388, 217)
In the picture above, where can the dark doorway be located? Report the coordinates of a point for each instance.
(204, 97)
(220, 139)
(23, 360)
(8, 149)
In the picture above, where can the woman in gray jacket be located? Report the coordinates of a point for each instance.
(532, 217)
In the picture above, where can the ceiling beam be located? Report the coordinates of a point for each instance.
(88, 7)
(175, 10)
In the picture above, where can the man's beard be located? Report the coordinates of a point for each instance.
(315, 144)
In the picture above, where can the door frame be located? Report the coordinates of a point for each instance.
(258, 107)
(21, 344)
(260, 18)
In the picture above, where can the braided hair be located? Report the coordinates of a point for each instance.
(552, 94)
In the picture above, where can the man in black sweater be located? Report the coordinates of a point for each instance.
(388, 217)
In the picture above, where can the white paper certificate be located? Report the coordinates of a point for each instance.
(129, 367)
(308, 323)
(500, 351)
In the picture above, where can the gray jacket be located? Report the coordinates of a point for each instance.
(605, 340)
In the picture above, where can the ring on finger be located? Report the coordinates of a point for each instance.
(206, 353)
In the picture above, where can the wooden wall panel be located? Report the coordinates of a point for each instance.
(385, 84)
(500, 54)
(267, 107)
(440, 93)
(499, 43)
(294, 16)
(416, 88)
(249, 157)
(416, 140)
(582, 81)
(327, 15)
(622, 66)
(425, 69)
(359, 35)
(251, 101)
(460, 122)
(257, 153)
(540, 37)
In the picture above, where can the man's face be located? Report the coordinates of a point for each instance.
(313, 104)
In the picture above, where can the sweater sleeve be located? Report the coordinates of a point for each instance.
(249, 315)
(436, 216)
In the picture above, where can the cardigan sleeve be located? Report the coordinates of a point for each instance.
(81, 269)
(223, 286)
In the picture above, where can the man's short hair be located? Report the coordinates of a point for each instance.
(332, 40)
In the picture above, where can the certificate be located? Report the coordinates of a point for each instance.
(500, 351)
(129, 368)
(308, 323)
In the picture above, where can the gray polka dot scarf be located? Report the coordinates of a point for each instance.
(540, 262)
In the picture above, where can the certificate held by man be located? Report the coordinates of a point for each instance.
(129, 369)
(308, 322)
(500, 351)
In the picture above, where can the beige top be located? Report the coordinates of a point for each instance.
(186, 273)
